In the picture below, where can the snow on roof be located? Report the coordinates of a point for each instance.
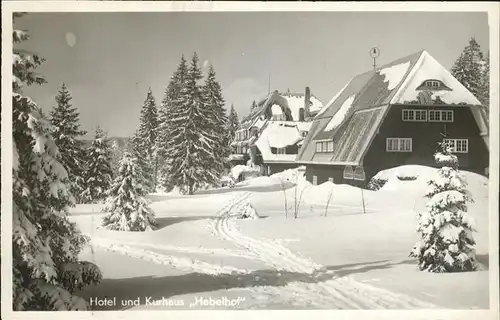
(276, 109)
(332, 100)
(340, 115)
(303, 126)
(259, 123)
(278, 134)
(296, 102)
(429, 68)
(395, 74)
(316, 104)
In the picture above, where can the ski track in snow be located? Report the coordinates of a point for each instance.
(196, 250)
(181, 263)
(343, 293)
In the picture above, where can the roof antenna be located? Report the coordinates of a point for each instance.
(374, 53)
(269, 84)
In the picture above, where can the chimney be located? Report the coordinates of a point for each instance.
(307, 102)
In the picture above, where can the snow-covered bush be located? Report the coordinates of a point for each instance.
(376, 184)
(127, 208)
(241, 171)
(446, 244)
(45, 244)
(248, 212)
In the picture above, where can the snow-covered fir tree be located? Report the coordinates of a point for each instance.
(143, 170)
(68, 137)
(126, 206)
(98, 176)
(45, 244)
(469, 70)
(214, 107)
(146, 141)
(233, 123)
(447, 243)
(191, 136)
(485, 84)
(169, 102)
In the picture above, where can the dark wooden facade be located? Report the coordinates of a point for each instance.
(425, 136)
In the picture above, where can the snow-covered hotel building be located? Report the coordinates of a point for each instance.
(391, 116)
(272, 134)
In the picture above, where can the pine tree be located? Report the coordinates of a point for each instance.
(191, 136)
(146, 141)
(98, 176)
(485, 84)
(67, 135)
(170, 102)
(45, 244)
(468, 69)
(233, 124)
(446, 244)
(127, 208)
(217, 120)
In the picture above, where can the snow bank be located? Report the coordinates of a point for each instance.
(477, 184)
(394, 74)
(422, 174)
(293, 175)
(236, 171)
(340, 114)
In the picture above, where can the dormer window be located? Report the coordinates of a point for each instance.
(432, 84)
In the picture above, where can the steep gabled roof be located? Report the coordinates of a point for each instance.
(280, 134)
(289, 102)
(353, 116)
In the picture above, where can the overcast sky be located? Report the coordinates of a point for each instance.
(108, 60)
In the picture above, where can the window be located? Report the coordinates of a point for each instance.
(348, 173)
(280, 150)
(441, 115)
(319, 147)
(398, 145)
(432, 84)
(304, 133)
(315, 180)
(330, 179)
(458, 145)
(447, 116)
(414, 115)
(324, 146)
(359, 173)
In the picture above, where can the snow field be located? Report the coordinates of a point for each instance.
(345, 260)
